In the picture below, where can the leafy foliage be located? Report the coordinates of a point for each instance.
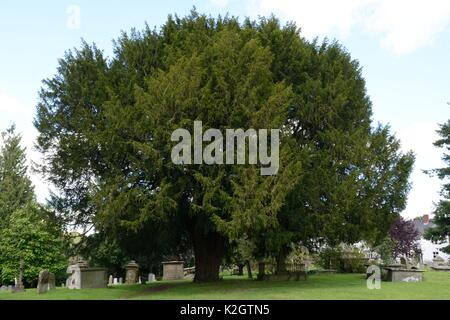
(405, 237)
(343, 259)
(386, 250)
(31, 237)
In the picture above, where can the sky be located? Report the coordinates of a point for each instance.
(402, 45)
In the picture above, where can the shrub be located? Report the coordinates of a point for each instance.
(342, 260)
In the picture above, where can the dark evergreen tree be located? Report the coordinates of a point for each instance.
(105, 128)
(16, 189)
(441, 232)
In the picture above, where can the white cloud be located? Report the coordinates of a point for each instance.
(402, 25)
(15, 111)
(220, 3)
(10, 105)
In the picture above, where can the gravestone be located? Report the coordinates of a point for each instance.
(3, 288)
(120, 280)
(116, 281)
(131, 275)
(151, 277)
(19, 287)
(46, 281)
(173, 270)
(110, 281)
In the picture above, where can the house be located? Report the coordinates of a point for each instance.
(429, 249)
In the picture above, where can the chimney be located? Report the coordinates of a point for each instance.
(426, 219)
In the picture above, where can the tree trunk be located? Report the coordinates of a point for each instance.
(241, 269)
(249, 269)
(281, 261)
(208, 250)
(261, 271)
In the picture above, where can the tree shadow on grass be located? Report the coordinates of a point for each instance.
(183, 289)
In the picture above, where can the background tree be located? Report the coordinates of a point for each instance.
(16, 190)
(36, 240)
(405, 237)
(441, 232)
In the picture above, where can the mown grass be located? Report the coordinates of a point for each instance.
(436, 285)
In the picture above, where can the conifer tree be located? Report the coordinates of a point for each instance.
(441, 232)
(16, 190)
(105, 128)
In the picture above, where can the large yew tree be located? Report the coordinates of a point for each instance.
(105, 130)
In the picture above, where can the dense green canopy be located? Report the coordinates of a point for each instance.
(105, 127)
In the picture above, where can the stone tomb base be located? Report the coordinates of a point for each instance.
(173, 270)
(441, 268)
(83, 277)
(402, 275)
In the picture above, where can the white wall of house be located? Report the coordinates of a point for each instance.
(428, 248)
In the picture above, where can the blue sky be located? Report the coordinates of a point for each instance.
(403, 47)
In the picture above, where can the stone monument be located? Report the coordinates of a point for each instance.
(19, 287)
(439, 264)
(83, 277)
(46, 281)
(132, 269)
(173, 270)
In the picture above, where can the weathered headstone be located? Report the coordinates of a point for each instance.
(116, 281)
(151, 277)
(46, 281)
(120, 280)
(110, 281)
(19, 287)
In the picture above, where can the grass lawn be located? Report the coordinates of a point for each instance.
(436, 285)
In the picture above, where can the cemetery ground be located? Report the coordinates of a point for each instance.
(436, 285)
